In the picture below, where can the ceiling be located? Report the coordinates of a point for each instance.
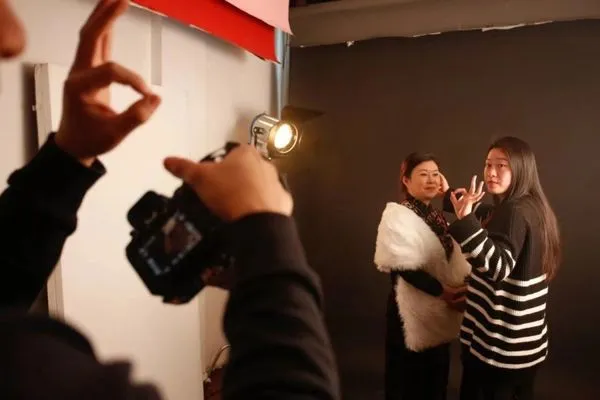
(300, 3)
(321, 22)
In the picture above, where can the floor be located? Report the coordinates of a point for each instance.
(564, 384)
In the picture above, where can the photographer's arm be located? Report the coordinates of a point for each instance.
(37, 214)
(38, 210)
(280, 347)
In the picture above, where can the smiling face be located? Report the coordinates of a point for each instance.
(12, 36)
(497, 172)
(424, 181)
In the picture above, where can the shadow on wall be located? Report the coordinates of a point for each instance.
(29, 116)
(241, 131)
(451, 94)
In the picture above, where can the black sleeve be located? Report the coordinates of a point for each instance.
(280, 347)
(492, 251)
(46, 359)
(422, 281)
(447, 203)
(37, 214)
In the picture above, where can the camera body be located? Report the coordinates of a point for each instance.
(178, 243)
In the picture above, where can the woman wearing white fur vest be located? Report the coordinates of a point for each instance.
(428, 273)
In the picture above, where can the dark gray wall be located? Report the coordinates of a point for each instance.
(450, 94)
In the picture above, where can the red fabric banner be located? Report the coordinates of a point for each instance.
(221, 19)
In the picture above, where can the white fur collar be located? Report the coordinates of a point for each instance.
(405, 241)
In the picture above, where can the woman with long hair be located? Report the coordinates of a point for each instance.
(427, 272)
(514, 248)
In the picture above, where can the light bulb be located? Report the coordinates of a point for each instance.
(283, 136)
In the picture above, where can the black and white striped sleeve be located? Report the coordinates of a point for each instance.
(492, 251)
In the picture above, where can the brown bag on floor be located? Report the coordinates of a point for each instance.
(214, 377)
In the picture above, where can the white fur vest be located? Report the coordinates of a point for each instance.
(406, 242)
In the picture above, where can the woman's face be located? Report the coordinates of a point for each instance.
(497, 172)
(424, 181)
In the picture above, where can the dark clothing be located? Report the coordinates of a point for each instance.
(484, 382)
(280, 347)
(421, 280)
(438, 224)
(38, 211)
(411, 375)
(504, 332)
(274, 323)
(45, 359)
(505, 319)
(435, 219)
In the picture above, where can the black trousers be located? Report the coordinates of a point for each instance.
(412, 375)
(481, 381)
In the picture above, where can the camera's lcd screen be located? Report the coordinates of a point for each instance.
(165, 250)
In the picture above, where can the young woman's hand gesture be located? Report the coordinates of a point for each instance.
(468, 198)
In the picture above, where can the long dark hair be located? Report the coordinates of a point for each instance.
(525, 185)
(409, 164)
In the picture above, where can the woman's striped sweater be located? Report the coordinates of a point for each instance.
(505, 320)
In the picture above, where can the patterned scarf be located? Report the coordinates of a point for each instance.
(434, 219)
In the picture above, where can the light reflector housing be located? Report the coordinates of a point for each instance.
(273, 137)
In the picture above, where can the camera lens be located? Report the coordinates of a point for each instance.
(146, 209)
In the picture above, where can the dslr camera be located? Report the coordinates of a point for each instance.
(177, 243)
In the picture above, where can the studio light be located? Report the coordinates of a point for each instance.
(274, 137)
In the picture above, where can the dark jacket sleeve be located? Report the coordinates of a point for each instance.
(37, 214)
(447, 203)
(46, 359)
(422, 281)
(280, 348)
(492, 251)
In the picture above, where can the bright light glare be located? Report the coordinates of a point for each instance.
(283, 136)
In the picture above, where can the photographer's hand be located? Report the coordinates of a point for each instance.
(274, 320)
(242, 184)
(89, 127)
(40, 205)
